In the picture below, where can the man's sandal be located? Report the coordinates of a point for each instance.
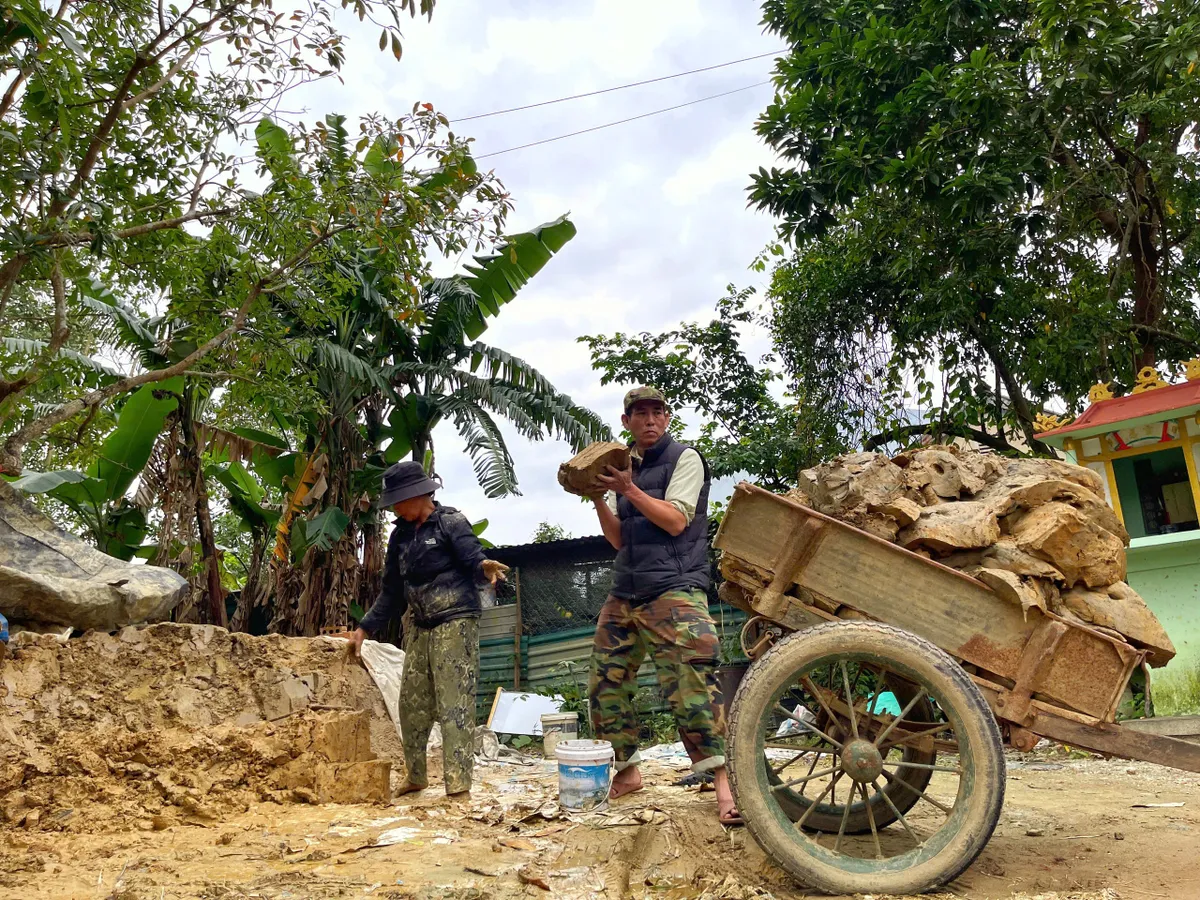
(732, 817)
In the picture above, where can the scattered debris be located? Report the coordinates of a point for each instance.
(1157, 805)
(532, 876)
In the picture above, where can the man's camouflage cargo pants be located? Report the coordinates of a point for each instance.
(441, 666)
(681, 638)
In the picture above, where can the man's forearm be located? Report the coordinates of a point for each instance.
(609, 523)
(660, 512)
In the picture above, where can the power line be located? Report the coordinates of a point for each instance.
(620, 87)
(655, 112)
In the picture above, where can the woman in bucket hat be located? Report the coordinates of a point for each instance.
(434, 569)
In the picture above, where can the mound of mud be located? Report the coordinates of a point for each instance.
(169, 723)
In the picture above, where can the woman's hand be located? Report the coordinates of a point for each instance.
(494, 571)
(355, 637)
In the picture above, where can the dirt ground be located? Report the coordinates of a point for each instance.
(177, 762)
(1069, 830)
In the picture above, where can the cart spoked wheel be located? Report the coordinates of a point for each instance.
(906, 730)
(912, 764)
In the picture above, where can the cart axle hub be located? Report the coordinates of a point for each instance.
(862, 761)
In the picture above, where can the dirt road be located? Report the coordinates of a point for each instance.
(1069, 830)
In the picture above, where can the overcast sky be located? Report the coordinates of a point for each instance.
(660, 204)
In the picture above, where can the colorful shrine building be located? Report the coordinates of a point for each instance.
(1146, 448)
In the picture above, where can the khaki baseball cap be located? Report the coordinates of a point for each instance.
(644, 393)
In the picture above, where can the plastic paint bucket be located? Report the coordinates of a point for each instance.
(584, 774)
(558, 727)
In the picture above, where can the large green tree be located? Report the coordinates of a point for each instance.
(1001, 192)
(125, 132)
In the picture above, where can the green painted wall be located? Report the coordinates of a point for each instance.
(1165, 570)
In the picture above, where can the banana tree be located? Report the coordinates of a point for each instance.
(387, 382)
(443, 372)
(99, 496)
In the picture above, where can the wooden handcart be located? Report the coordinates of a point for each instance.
(867, 738)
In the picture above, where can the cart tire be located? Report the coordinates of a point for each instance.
(969, 823)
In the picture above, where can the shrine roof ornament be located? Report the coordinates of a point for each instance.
(1152, 399)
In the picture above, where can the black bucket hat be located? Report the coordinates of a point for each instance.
(403, 481)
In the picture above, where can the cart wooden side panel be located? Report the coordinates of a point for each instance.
(1037, 655)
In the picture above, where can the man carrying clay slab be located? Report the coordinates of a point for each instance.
(655, 515)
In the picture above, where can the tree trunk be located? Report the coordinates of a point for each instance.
(1016, 395)
(1147, 292)
(208, 547)
(214, 600)
(249, 598)
(374, 555)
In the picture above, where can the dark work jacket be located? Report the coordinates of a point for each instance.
(436, 569)
(651, 561)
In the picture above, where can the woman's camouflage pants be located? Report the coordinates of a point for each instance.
(441, 666)
(680, 636)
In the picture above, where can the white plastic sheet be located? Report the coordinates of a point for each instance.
(517, 712)
(385, 663)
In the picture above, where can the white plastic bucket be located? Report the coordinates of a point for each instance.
(584, 774)
(558, 727)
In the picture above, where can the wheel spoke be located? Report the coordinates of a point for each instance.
(806, 778)
(842, 827)
(817, 693)
(812, 765)
(799, 721)
(775, 770)
(957, 770)
(817, 802)
(896, 812)
(780, 745)
(849, 700)
(896, 778)
(900, 742)
(871, 821)
(869, 706)
(920, 695)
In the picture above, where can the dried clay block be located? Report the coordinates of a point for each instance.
(578, 475)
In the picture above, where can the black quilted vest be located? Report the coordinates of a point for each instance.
(650, 561)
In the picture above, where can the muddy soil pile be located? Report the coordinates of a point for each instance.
(172, 723)
(1038, 532)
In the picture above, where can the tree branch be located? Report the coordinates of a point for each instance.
(10, 95)
(1191, 343)
(1015, 395)
(86, 237)
(1062, 155)
(10, 455)
(158, 85)
(936, 429)
(58, 336)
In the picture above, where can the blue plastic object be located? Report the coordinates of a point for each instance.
(885, 703)
(3, 629)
